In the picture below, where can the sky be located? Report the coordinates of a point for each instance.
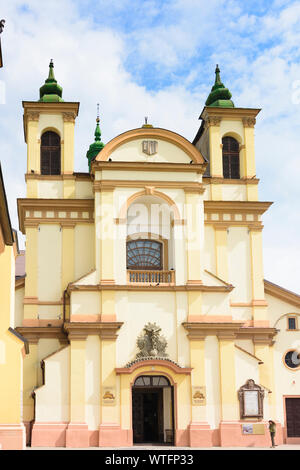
(157, 58)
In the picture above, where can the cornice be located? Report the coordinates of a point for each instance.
(224, 181)
(34, 333)
(237, 206)
(148, 166)
(228, 113)
(281, 293)
(80, 330)
(141, 288)
(65, 176)
(229, 331)
(112, 184)
(72, 211)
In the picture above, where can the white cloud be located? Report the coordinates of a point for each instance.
(178, 42)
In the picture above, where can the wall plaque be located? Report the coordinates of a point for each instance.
(251, 398)
(199, 396)
(108, 396)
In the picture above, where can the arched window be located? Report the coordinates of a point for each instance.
(50, 153)
(152, 381)
(144, 254)
(231, 158)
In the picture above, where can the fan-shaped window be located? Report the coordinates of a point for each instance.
(50, 153)
(151, 381)
(231, 158)
(144, 254)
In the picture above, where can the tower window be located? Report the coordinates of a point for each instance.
(50, 153)
(144, 254)
(231, 158)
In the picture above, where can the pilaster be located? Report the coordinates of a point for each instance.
(31, 281)
(229, 400)
(194, 237)
(221, 252)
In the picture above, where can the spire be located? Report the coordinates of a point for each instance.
(219, 95)
(51, 92)
(97, 146)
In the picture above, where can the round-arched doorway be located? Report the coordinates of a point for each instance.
(153, 410)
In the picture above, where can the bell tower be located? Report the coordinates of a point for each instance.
(49, 133)
(226, 139)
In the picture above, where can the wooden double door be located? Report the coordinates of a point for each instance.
(292, 406)
(147, 413)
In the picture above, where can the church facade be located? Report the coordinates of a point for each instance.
(144, 303)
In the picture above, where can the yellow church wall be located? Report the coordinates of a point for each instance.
(234, 192)
(233, 128)
(207, 191)
(7, 288)
(49, 312)
(84, 190)
(50, 189)
(52, 122)
(45, 348)
(136, 309)
(214, 303)
(180, 315)
(92, 382)
(209, 255)
(11, 364)
(85, 303)
(49, 262)
(212, 381)
(84, 244)
(246, 368)
(33, 147)
(246, 344)
(286, 381)
(241, 313)
(166, 152)
(30, 381)
(11, 373)
(239, 266)
(53, 398)
(19, 309)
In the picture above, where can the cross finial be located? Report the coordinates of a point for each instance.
(98, 113)
(146, 120)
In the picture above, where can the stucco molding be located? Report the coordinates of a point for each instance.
(153, 133)
(175, 368)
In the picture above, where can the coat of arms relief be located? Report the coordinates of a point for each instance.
(151, 343)
(149, 147)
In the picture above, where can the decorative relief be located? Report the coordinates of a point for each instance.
(32, 116)
(151, 344)
(69, 117)
(149, 147)
(199, 396)
(249, 121)
(213, 121)
(108, 396)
